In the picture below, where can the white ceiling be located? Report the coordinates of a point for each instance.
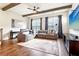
(3, 5)
(22, 8)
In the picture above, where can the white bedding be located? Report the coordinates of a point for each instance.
(43, 45)
(15, 29)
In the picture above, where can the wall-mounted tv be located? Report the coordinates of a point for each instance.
(74, 19)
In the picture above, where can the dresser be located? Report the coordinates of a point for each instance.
(74, 45)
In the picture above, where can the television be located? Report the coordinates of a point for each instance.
(74, 19)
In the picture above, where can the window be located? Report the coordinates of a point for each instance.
(36, 25)
(53, 23)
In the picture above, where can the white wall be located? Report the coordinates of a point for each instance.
(28, 22)
(65, 23)
(5, 20)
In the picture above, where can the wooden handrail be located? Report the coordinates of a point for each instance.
(1, 36)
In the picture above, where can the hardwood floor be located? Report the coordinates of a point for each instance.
(10, 48)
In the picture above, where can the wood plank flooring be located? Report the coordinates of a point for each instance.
(10, 48)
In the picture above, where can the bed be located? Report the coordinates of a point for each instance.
(47, 46)
(15, 31)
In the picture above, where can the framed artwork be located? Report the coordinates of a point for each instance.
(74, 19)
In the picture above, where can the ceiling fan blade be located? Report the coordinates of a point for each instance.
(34, 7)
(29, 8)
(37, 7)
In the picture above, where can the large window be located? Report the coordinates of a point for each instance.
(53, 23)
(36, 25)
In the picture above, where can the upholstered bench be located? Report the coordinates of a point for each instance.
(21, 37)
(47, 36)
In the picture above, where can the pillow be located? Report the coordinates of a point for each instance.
(42, 31)
(49, 31)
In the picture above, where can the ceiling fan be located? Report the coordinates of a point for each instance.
(34, 9)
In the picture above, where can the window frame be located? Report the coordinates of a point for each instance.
(36, 24)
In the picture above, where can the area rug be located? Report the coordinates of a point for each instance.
(47, 46)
